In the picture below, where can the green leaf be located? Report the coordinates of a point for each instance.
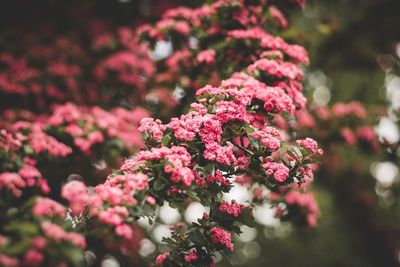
(247, 218)
(74, 255)
(196, 237)
(165, 140)
(18, 248)
(297, 150)
(158, 184)
(25, 228)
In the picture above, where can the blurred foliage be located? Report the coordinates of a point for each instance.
(345, 39)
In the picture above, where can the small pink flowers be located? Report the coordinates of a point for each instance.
(162, 258)
(307, 202)
(13, 182)
(33, 257)
(277, 170)
(41, 142)
(124, 231)
(154, 127)
(269, 137)
(310, 145)
(76, 193)
(56, 233)
(233, 209)
(206, 56)
(48, 207)
(191, 256)
(222, 237)
(277, 68)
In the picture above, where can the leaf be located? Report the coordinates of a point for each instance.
(165, 140)
(25, 228)
(248, 128)
(158, 184)
(74, 255)
(196, 237)
(297, 150)
(193, 196)
(246, 217)
(18, 248)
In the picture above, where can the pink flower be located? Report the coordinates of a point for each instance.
(151, 200)
(7, 261)
(30, 174)
(13, 182)
(278, 16)
(191, 256)
(155, 127)
(48, 207)
(233, 209)
(269, 137)
(33, 257)
(277, 170)
(76, 239)
(220, 236)
(76, 194)
(206, 56)
(53, 231)
(124, 231)
(41, 142)
(310, 145)
(349, 136)
(307, 202)
(39, 242)
(162, 258)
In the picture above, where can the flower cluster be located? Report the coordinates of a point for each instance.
(105, 68)
(300, 207)
(349, 122)
(246, 42)
(233, 209)
(220, 236)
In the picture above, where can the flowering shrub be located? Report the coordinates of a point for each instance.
(106, 69)
(27, 235)
(230, 132)
(338, 128)
(211, 42)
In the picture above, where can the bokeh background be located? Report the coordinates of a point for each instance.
(354, 46)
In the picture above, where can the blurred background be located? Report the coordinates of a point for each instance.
(354, 47)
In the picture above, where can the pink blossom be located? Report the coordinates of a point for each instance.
(48, 207)
(33, 257)
(278, 16)
(8, 261)
(311, 145)
(269, 137)
(13, 182)
(306, 201)
(41, 142)
(39, 242)
(155, 127)
(30, 174)
(124, 231)
(349, 136)
(206, 56)
(191, 256)
(162, 258)
(53, 231)
(277, 170)
(220, 236)
(76, 194)
(233, 209)
(76, 239)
